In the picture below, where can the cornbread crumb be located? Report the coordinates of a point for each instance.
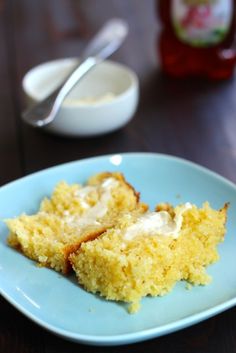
(150, 264)
(91, 310)
(74, 214)
(188, 286)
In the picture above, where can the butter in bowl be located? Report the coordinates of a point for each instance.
(103, 101)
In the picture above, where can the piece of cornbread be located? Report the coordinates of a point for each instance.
(72, 215)
(146, 254)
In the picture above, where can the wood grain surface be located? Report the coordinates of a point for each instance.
(193, 119)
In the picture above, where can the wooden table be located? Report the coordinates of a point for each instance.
(191, 118)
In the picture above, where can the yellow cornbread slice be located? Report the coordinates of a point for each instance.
(125, 266)
(72, 215)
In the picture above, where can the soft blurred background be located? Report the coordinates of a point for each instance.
(194, 119)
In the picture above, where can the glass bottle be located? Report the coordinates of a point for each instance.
(198, 37)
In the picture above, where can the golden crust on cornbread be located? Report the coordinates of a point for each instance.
(74, 214)
(127, 263)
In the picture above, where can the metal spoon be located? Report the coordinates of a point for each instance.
(106, 42)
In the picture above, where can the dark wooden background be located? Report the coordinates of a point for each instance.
(190, 118)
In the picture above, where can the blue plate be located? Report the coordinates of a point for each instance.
(58, 304)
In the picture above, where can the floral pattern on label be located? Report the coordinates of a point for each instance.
(201, 22)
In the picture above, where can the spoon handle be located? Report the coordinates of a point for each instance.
(106, 42)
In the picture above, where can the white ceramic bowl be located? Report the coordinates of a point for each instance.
(103, 101)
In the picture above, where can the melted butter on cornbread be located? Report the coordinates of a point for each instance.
(145, 265)
(157, 223)
(99, 210)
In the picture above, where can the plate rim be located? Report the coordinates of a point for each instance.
(127, 338)
(182, 160)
